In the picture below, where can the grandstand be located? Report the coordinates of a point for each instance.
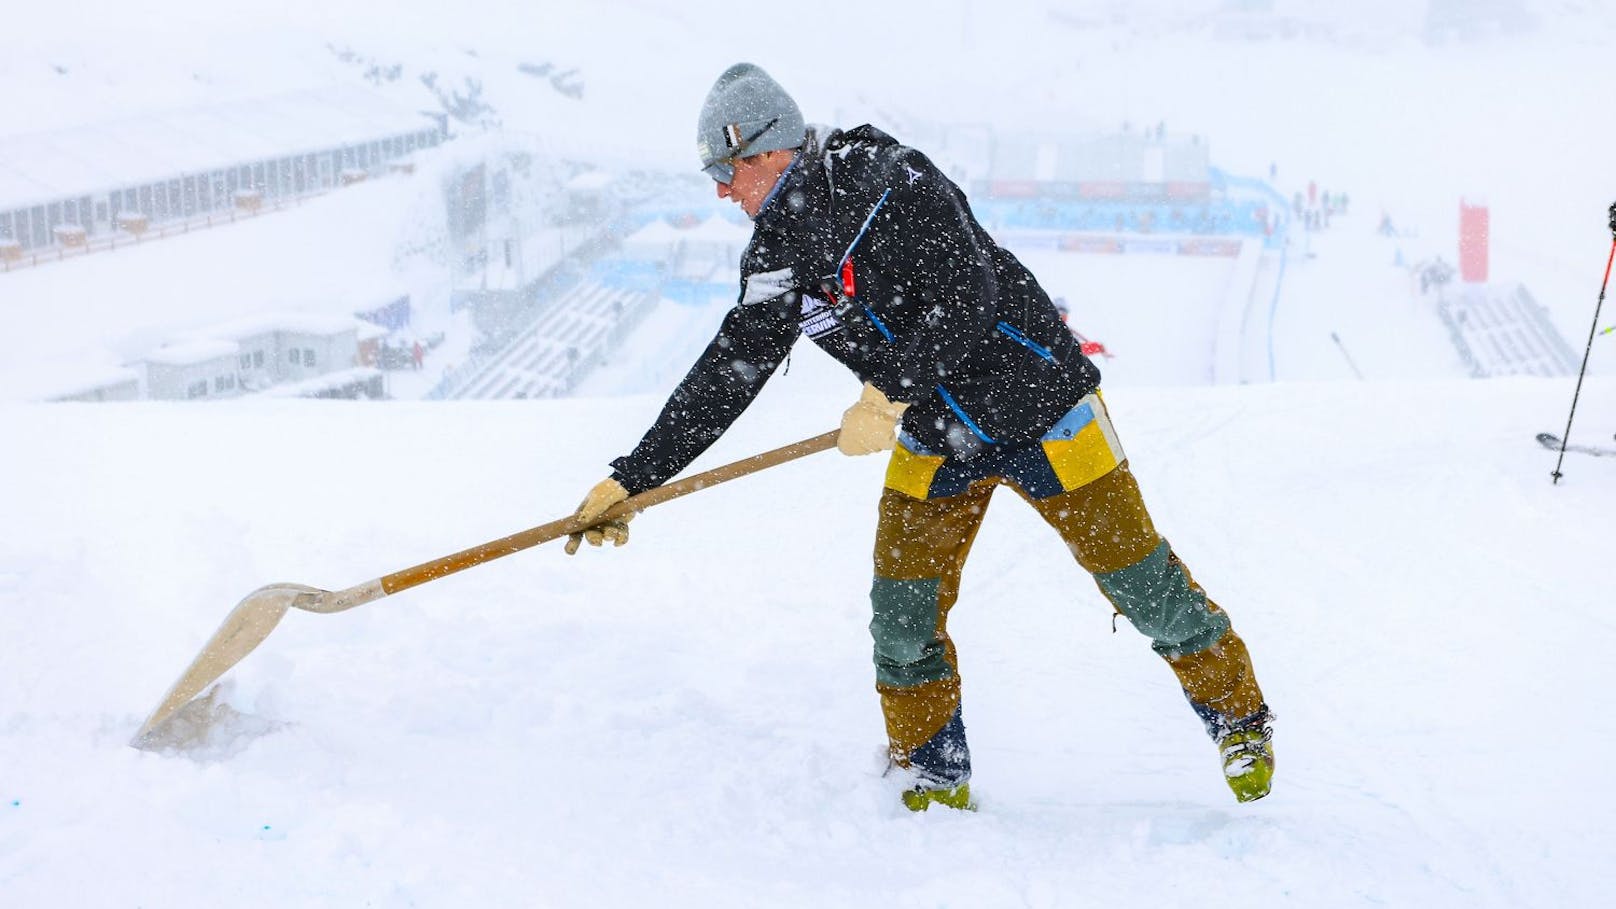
(1097, 186)
(66, 186)
(549, 358)
(1501, 330)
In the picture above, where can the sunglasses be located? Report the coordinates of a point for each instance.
(723, 169)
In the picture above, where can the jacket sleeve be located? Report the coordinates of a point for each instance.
(931, 246)
(751, 343)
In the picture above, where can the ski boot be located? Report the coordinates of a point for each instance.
(1248, 759)
(958, 797)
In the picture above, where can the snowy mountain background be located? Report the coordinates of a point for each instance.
(690, 720)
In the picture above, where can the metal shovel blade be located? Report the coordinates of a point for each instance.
(243, 629)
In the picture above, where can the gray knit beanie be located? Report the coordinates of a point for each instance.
(746, 113)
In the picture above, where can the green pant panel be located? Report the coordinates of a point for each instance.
(1158, 597)
(908, 648)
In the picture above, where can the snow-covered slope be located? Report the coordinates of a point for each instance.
(690, 720)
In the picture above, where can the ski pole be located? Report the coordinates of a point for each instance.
(1566, 436)
(1355, 371)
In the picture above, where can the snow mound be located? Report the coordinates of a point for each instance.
(208, 728)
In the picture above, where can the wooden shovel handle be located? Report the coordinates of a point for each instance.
(516, 542)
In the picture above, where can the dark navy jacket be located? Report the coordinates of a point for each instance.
(866, 247)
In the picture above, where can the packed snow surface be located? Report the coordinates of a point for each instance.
(690, 720)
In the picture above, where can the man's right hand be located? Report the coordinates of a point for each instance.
(601, 498)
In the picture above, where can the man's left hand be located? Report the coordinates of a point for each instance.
(870, 425)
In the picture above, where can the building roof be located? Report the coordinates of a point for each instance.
(192, 353)
(305, 323)
(46, 166)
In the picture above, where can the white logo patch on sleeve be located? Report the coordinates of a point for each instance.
(818, 317)
(766, 285)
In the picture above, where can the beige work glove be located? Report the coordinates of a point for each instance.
(604, 495)
(870, 425)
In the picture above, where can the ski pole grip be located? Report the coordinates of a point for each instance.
(1613, 219)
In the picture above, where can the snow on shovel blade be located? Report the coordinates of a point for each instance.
(242, 630)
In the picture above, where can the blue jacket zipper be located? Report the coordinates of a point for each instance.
(1016, 334)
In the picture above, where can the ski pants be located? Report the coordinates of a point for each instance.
(1078, 480)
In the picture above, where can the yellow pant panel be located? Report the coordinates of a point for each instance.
(910, 473)
(1084, 458)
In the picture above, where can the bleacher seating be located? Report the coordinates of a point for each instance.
(556, 351)
(1500, 330)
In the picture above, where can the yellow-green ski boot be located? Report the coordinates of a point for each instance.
(1248, 762)
(959, 797)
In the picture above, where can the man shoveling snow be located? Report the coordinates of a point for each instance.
(970, 379)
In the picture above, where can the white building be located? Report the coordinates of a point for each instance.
(274, 348)
(315, 346)
(193, 370)
(253, 354)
